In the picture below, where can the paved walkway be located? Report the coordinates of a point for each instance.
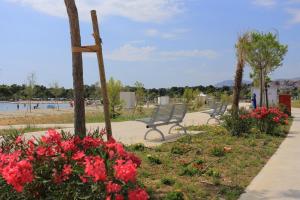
(280, 177)
(130, 132)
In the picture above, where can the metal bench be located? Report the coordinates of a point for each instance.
(217, 112)
(165, 115)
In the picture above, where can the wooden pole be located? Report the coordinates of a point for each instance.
(102, 74)
(77, 68)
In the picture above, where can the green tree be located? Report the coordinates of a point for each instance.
(30, 88)
(140, 96)
(56, 91)
(96, 91)
(114, 88)
(264, 55)
(188, 95)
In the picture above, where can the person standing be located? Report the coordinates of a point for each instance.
(254, 101)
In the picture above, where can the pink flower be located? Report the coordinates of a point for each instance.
(68, 145)
(125, 170)
(67, 170)
(78, 155)
(112, 187)
(52, 137)
(276, 119)
(138, 194)
(119, 197)
(19, 140)
(90, 142)
(95, 168)
(18, 174)
(41, 151)
(83, 179)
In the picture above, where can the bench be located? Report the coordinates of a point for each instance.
(217, 112)
(165, 115)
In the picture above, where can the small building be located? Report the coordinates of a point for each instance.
(272, 95)
(128, 99)
(163, 100)
(202, 98)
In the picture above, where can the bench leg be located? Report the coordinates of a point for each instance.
(157, 130)
(184, 129)
(208, 120)
(218, 120)
(214, 119)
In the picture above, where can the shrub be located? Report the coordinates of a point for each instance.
(174, 196)
(66, 167)
(237, 125)
(283, 108)
(189, 170)
(167, 181)
(177, 150)
(153, 160)
(213, 173)
(137, 147)
(216, 175)
(218, 151)
(199, 161)
(268, 121)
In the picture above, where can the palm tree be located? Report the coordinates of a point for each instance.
(241, 52)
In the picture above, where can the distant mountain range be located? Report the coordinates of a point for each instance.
(281, 83)
(229, 83)
(291, 79)
(286, 84)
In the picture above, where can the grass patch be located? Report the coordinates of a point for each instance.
(199, 168)
(296, 104)
(14, 131)
(68, 118)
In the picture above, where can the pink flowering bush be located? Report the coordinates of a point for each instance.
(267, 120)
(61, 166)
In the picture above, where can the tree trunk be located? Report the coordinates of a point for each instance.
(77, 68)
(261, 87)
(237, 85)
(266, 89)
(57, 103)
(266, 93)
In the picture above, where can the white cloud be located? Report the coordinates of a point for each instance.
(295, 13)
(173, 34)
(265, 3)
(136, 10)
(209, 54)
(129, 52)
(152, 32)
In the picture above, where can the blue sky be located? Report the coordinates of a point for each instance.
(161, 43)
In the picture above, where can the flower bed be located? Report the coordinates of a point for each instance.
(261, 120)
(61, 166)
(267, 120)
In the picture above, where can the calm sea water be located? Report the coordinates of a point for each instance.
(7, 106)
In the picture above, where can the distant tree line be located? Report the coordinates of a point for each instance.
(16, 92)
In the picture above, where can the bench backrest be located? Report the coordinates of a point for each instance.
(163, 113)
(217, 109)
(179, 112)
(223, 109)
